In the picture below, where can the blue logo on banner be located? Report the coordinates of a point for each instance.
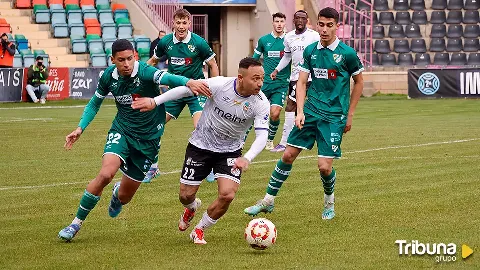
(428, 83)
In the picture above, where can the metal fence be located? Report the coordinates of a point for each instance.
(160, 12)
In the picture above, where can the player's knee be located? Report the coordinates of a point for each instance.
(288, 156)
(275, 115)
(226, 196)
(186, 197)
(325, 168)
(105, 176)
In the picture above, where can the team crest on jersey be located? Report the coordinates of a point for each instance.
(246, 106)
(137, 82)
(191, 47)
(337, 58)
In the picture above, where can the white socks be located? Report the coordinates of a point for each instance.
(287, 126)
(154, 166)
(77, 221)
(269, 198)
(328, 199)
(191, 206)
(206, 222)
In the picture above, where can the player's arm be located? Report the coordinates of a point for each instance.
(261, 136)
(88, 114)
(301, 89)
(258, 51)
(287, 57)
(158, 53)
(212, 64)
(208, 57)
(164, 78)
(355, 68)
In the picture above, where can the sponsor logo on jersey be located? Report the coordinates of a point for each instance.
(124, 100)
(337, 58)
(277, 54)
(246, 106)
(323, 73)
(226, 99)
(178, 61)
(229, 116)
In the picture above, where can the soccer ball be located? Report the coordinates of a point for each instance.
(260, 233)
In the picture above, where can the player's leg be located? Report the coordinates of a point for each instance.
(290, 110)
(173, 109)
(153, 172)
(122, 194)
(196, 167)
(299, 139)
(329, 137)
(115, 152)
(228, 180)
(277, 100)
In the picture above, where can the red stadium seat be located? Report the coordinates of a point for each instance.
(39, 2)
(118, 6)
(92, 26)
(71, 2)
(87, 3)
(55, 2)
(4, 26)
(23, 4)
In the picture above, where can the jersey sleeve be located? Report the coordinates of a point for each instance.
(287, 45)
(206, 53)
(305, 62)
(214, 83)
(258, 51)
(95, 102)
(159, 52)
(353, 64)
(152, 74)
(262, 115)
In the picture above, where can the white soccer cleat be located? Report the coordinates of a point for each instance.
(197, 237)
(269, 145)
(42, 101)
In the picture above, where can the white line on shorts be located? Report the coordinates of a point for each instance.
(265, 161)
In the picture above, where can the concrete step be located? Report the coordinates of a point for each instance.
(63, 57)
(34, 35)
(7, 12)
(5, 5)
(30, 27)
(70, 64)
(18, 20)
(52, 51)
(49, 43)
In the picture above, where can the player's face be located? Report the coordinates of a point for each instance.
(300, 21)
(124, 61)
(251, 79)
(327, 28)
(278, 25)
(181, 26)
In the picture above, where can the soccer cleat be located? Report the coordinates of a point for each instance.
(197, 236)
(152, 173)
(261, 206)
(278, 148)
(269, 145)
(187, 216)
(115, 206)
(328, 211)
(69, 232)
(211, 177)
(42, 101)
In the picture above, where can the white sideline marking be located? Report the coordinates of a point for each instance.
(266, 161)
(51, 107)
(25, 119)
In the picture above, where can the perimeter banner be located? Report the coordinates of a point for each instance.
(444, 83)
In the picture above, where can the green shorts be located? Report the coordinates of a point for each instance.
(137, 155)
(277, 95)
(327, 135)
(175, 107)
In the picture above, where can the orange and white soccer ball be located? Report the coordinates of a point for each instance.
(260, 233)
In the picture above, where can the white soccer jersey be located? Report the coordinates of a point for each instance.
(296, 44)
(227, 116)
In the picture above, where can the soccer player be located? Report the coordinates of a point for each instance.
(295, 42)
(325, 115)
(134, 138)
(216, 143)
(272, 47)
(186, 52)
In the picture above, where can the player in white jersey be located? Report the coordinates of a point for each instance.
(295, 42)
(216, 143)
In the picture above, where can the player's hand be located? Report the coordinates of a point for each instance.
(199, 88)
(72, 138)
(348, 126)
(144, 104)
(300, 120)
(273, 75)
(241, 163)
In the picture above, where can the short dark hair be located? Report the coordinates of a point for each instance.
(182, 14)
(161, 31)
(279, 15)
(330, 13)
(300, 11)
(121, 45)
(4, 35)
(249, 62)
(39, 57)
